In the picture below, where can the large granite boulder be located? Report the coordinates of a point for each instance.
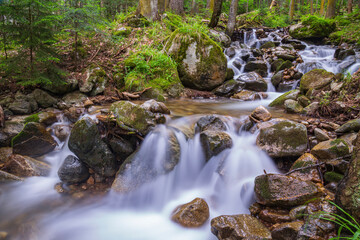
(133, 117)
(200, 61)
(283, 139)
(316, 79)
(86, 142)
(241, 226)
(95, 81)
(33, 141)
(193, 214)
(285, 191)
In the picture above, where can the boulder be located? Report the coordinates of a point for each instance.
(210, 122)
(138, 20)
(230, 52)
(23, 166)
(279, 101)
(316, 79)
(253, 82)
(61, 132)
(285, 191)
(277, 78)
(311, 108)
(193, 214)
(7, 177)
(133, 117)
(201, 62)
(44, 99)
(62, 87)
(331, 149)
(229, 88)
(240, 226)
(284, 65)
(341, 54)
(121, 147)
(350, 126)
(155, 107)
(86, 142)
(304, 101)
(46, 118)
(292, 106)
(94, 82)
(10, 130)
(229, 74)
(321, 135)
(73, 171)
(141, 167)
(214, 142)
(308, 174)
(74, 98)
(258, 66)
(257, 52)
(246, 95)
(286, 231)
(260, 114)
(316, 229)
(220, 37)
(33, 141)
(312, 27)
(283, 139)
(274, 215)
(268, 45)
(20, 107)
(276, 64)
(122, 32)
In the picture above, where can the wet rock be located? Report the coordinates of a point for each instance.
(85, 141)
(200, 61)
(74, 98)
(298, 212)
(285, 86)
(5, 153)
(286, 56)
(155, 107)
(293, 94)
(220, 37)
(47, 118)
(292, 106)
(257, 52)
(229, 88)
(23, 166)
(7, 177)
(11, 129)
(286, 231)
(214, 142)
(274, 216)
(308, 174)
(316, 229)
(246, 95)
(193, 214)
(285, 65)
(260, 114)
(237, 63)
(316, 79)
(73, 171)
(267, 45)
(277, 78)
(61, 132)
(130, 116)
(283, 139)
(121, 147)
(253, 82)
(141, 167)
(239, 227)
(44, 99)
(210, 122)
(257, 66)
(33, 141)
(341, 54)
(350, 126)
(94, 82)
(304, 101)
(331, 149)
(276, 64)
(321, 135)
(285, 191)
(230, 52)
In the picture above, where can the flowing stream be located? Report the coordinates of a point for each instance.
(33, 209)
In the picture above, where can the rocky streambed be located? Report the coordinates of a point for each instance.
(187, 169)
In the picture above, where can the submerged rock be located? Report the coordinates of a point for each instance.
(73, 171)
(285, 191)
(214, 142)
(33, 141)
(85, 141)
(193, 214)
(7, 177)
(241, 226)
(283, 139)
(201, 62)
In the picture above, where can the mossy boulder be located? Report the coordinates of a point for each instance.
(229, 88)
(333, 176)
(46, 118)
(86, 143)
(210, 122)
(24, 166)
(133, 117)
(307, 174)
(285, 191)
(62, 86)
(312, 27)
(284, 65)
(331, 149)
(292, 106)
(193, 214)
(257, 66)
(138, 20)
(10, 130)
(253, 82)
(33, 141)
(268, 45)
(152, 69)
(316, 79)
(201, 63)
(214, 142)
(122, 32)
(283, 139)
(44, 99)
(94, 82)
(172, 21)
(240, 226)
(350, 126)
(142, 167)
(220, 37)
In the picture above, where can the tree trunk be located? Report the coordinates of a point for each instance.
(331, 8)
(311, 7)
(154, 10)
(216, 13)
(177, 6)
(322, 5)
(232, 18)
(292, 9)
(316, 5)
(349, 6)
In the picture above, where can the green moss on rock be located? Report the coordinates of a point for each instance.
(312, 27)
(333, 177)
(279, 101)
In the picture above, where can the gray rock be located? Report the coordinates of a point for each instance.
(155, 107)
(44, 99)
(121, 147)
(11, 129)
(292, 106)
(73, 171)
(210, 122)
(74, 98)
(253, 81)
(258, 66)
(214, 142)
(229, 88)
(220, 37)
(321, 135)
(350, 126)
(94, 82)
(230, 52)
(23, 166)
